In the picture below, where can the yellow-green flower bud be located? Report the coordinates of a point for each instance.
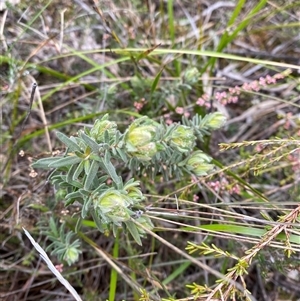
(141, 136)
(135, 194)
(145, 152)
(112, 199)
(146, 222)
(140, 139)
(198, 163)
(215, 120)
(118, 215)
(99, 128)
(71, 255)
(191, 76)
(133, 191)
(182, 138)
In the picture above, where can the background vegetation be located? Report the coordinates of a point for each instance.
(165, 60)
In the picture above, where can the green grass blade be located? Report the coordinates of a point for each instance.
(228, 38)
(114, 273)
(155, 82)
(170, 6)
(236, 12)
(215, 54)
(82, 74)
(177, 272)
(171, 21)
(242, 230)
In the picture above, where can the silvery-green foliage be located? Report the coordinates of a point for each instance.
(64, 245)
(89, 170)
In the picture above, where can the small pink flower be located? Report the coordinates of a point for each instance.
(138, 106)
(168, 121)
(59, 267)
(235, 189)
(231, 96)
(200, 102)
(262, 81)
(179, 110)
(203, 100)
(218, 96)
(246, 87)
(221, 97)
(258, 148)
(231, 90)
(234, 99)
(215, 185)
(205, 96)
(254, 86)
(195, 198)
(237, 90)
(270, 80)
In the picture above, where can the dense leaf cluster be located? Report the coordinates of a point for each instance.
(88, 172)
